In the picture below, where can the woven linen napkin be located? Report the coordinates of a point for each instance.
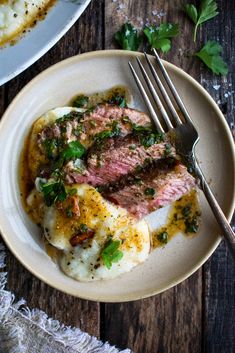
(31, 331)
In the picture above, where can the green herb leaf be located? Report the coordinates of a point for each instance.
(191, 225)
(191, 11)
(128, 37)
(118, 100)
(53, 191)
(80, 101)
(50, 147)
(210, 55)
(207, 11)
(114, 132)
(163, 237)
(72, 192)
(149, 192)
(74, 150)
(110, 253)
(83, 228)
(147, 135)
(159, 37)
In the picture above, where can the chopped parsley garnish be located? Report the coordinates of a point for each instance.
(53, 191)
(72, 192)
(159, 37)
(186, 211)
(207, 10)
(70, 116)
(149, 192)
(80, 101)
(147, 135)
(114, 132)
(128, 37)
(69, 212)
(83, 228)
(74, 150)
(50, 146)
(191, 225)
(163, 237)
(210, 55)
(126, 120)
(92, 123)
(110, 253)
(167, 151)
(132, 147)
(119, 100)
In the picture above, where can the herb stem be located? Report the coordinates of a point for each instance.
(195, 33)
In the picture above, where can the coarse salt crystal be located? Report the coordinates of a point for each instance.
(216, 87)
(121, 6)
(154, 12)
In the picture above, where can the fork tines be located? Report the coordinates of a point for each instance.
(174, 119)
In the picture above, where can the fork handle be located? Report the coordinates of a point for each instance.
(218, 213)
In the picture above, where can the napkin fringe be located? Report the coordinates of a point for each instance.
(20, 328)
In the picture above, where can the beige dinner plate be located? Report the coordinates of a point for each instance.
(165, 267)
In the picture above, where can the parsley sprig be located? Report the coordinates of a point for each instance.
(128, 37)
(207, 10)
(110, 253)
(210, 55)
(74, 150)
(160, 37)
(53, 191)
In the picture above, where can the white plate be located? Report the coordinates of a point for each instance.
(90, 73)
(15, 59)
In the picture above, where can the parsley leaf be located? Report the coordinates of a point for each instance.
(80, 101)
(163, 237)
(118, 100)
(53, 191)
(149, 192)
(128, 37)
(74, 150)
(147, 135)
(110, 253)
(210, 55)
(207, 11)
(116, 130)
(159, 37)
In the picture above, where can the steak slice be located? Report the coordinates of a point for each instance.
(118, 157)
(84, 126)
(158, 188)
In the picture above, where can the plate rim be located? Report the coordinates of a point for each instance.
(229, 213)
(45, 48)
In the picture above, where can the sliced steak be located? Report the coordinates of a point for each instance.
(84, 126)
(118, 157)
(155, 189)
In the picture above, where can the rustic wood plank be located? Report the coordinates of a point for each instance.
(169, 322)
(219, 272)
(84, 36)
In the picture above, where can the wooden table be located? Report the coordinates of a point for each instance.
(198, 315)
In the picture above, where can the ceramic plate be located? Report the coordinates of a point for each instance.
(166, 266)
(15, 59)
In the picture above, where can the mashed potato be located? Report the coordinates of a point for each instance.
(17, 15)
(84, 262)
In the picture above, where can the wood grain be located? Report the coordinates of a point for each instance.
(219, 273)
(85, 35)
(196, 316)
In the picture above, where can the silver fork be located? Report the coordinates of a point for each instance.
(184, 131)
